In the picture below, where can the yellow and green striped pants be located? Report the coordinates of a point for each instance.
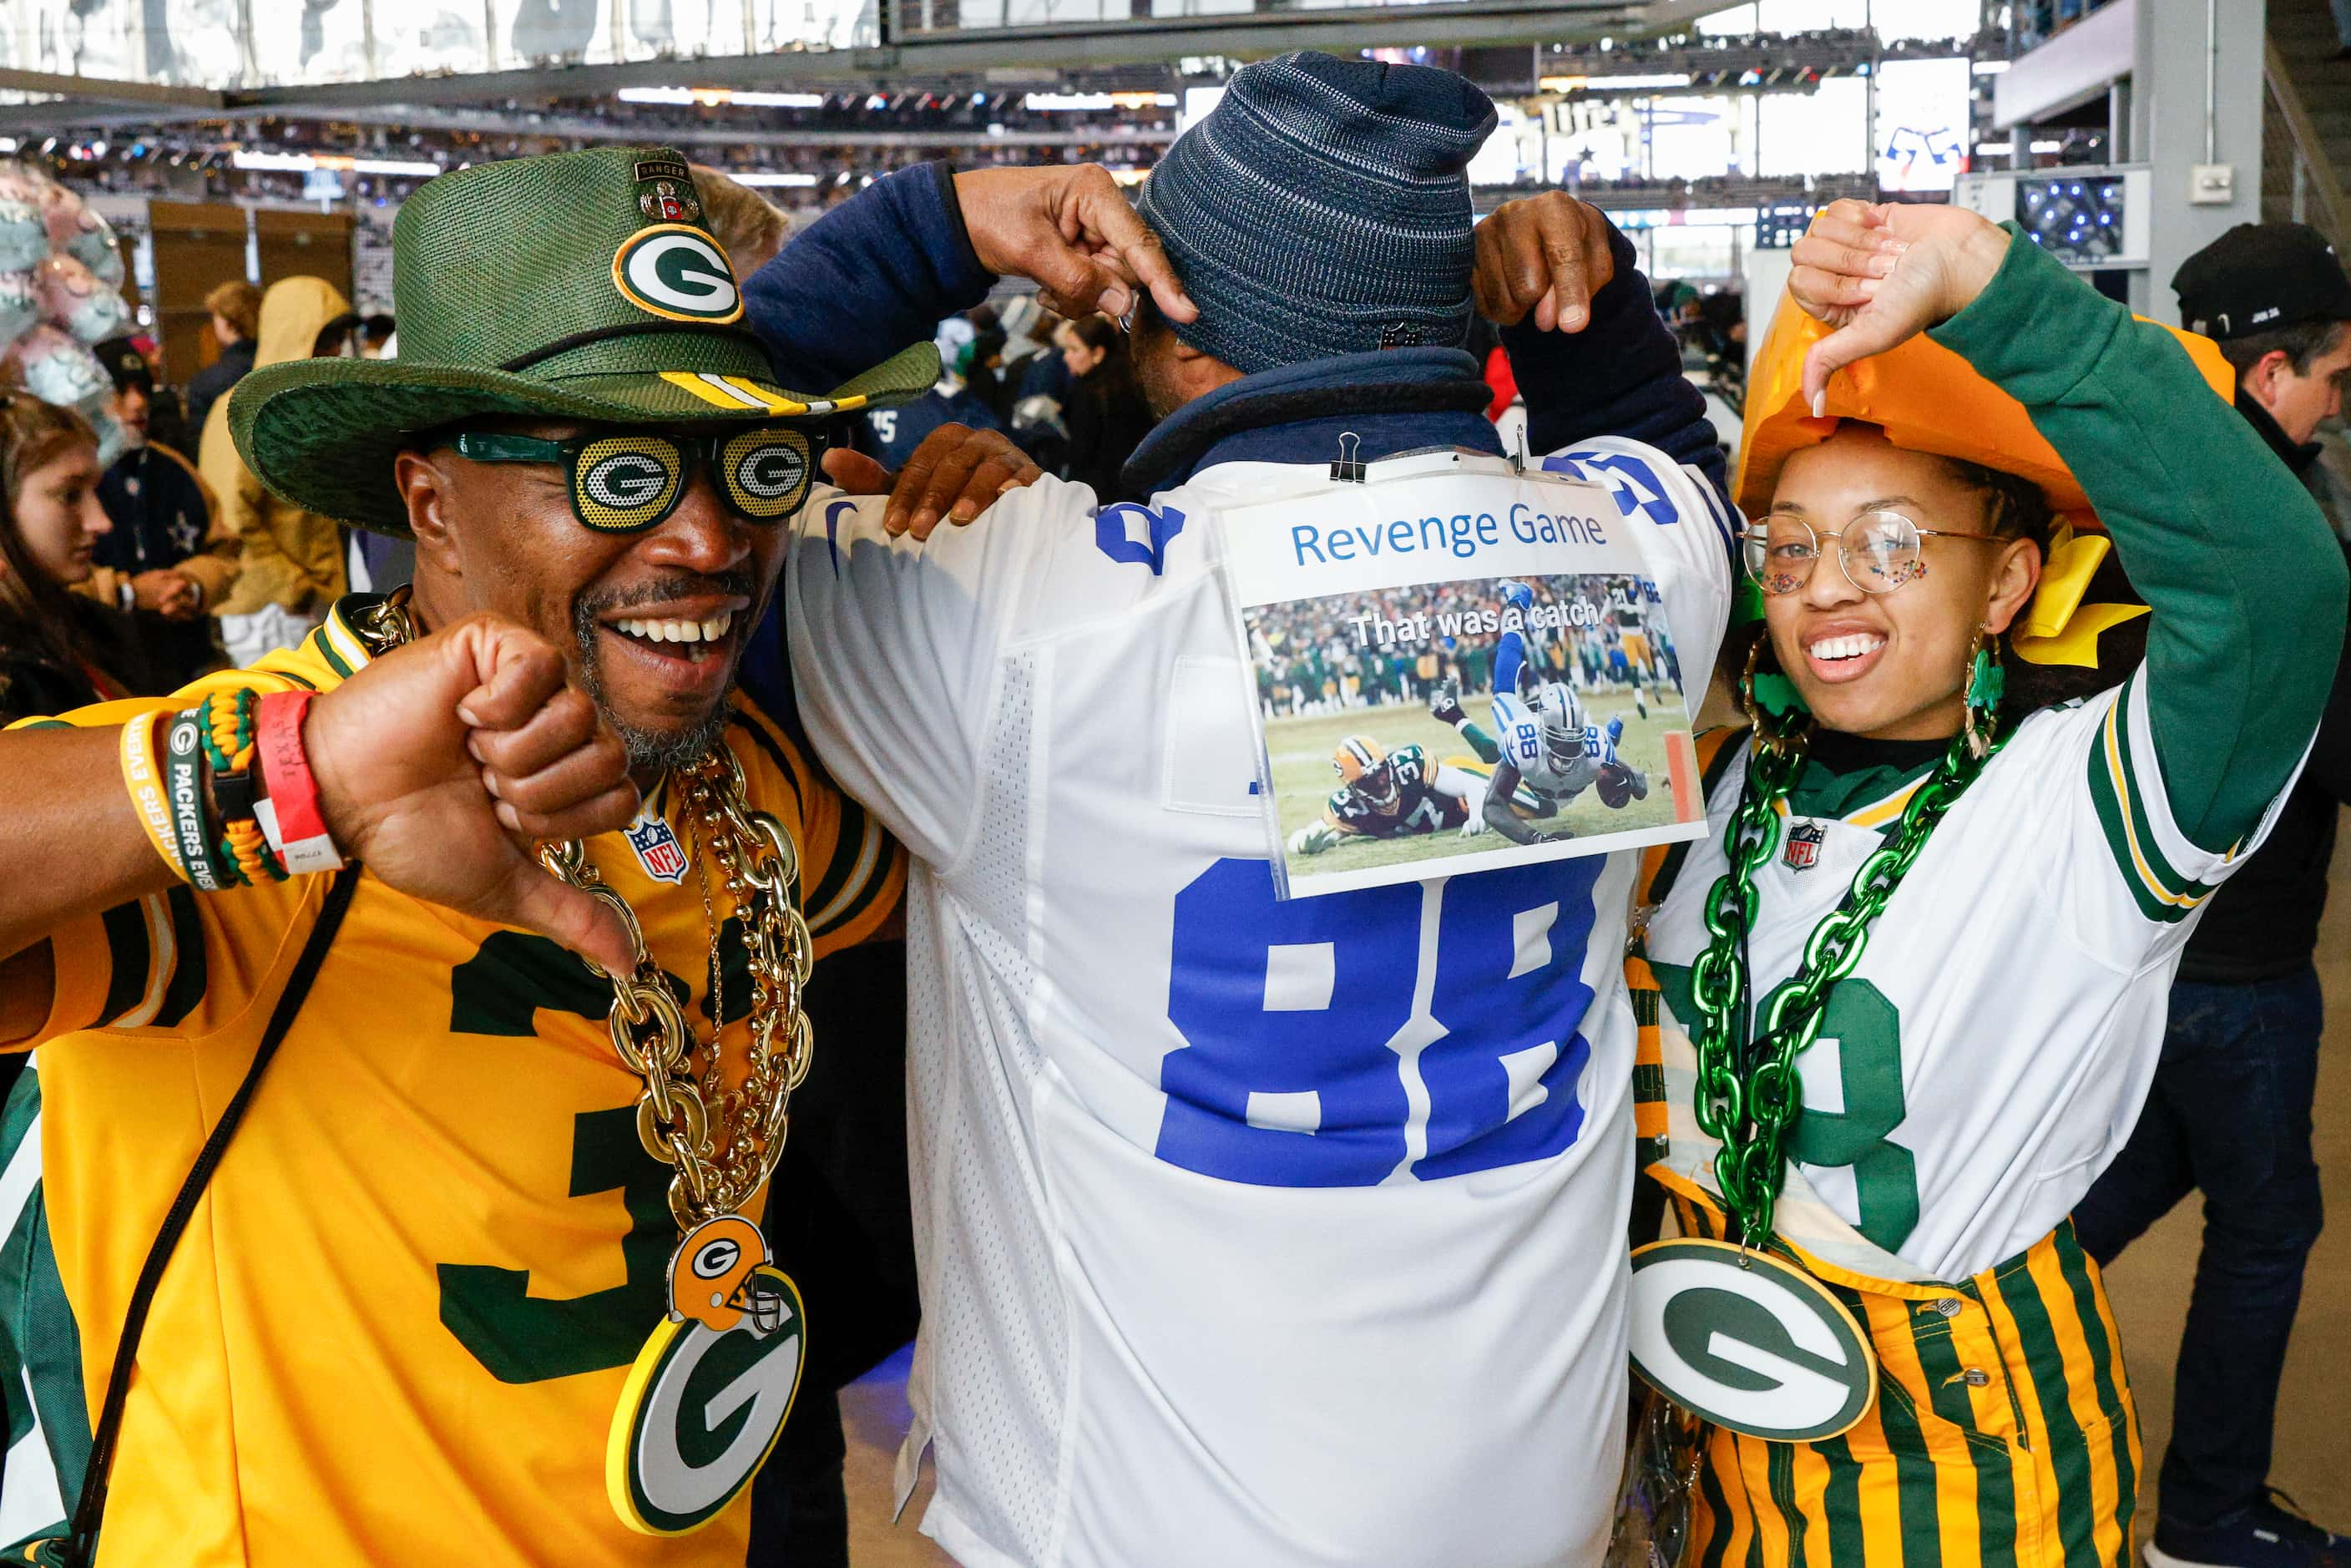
(2004, 1433)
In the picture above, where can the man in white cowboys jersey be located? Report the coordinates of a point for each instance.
(1251, 1232)
(1398, 794)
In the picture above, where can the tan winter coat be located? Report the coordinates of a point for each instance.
(293, 558)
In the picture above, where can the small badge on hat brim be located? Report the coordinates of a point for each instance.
(676, 271)
(665, 192)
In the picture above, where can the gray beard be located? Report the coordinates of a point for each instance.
(648, 750)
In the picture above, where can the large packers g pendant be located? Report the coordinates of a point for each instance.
(1749, 1341)
(708, 1395)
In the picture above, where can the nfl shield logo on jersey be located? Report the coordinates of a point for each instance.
(657, 848)
(1803, 850)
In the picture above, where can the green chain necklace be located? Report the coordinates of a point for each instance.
(1747, 1091)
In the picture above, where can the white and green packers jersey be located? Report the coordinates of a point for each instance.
(1988, 1056)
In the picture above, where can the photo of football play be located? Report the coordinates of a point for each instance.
(1391, 715)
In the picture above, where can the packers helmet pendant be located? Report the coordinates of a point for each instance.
(708, 1395)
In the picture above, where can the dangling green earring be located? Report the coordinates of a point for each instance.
(1987, 680)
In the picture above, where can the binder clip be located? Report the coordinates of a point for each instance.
(1348, 467)
(1519, 453)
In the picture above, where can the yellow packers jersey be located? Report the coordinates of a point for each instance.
(396, 1327)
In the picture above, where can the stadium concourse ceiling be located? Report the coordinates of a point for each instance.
(76, 64)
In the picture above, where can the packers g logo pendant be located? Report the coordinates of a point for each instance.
(708, 1395)
(1747, 1341)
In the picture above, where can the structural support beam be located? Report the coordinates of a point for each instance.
(100, 89)
(974, 51)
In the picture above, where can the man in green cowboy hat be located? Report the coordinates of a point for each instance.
(481, 1264)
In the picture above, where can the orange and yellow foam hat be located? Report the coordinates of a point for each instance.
(1928, 398)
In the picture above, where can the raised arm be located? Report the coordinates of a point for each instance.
(1591, 355)
(439, 764)
(879, 271)
(2245, 578)
(870, 278)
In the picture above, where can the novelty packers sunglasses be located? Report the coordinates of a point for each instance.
(624, 482)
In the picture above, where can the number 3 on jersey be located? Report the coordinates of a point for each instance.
(1336, 1041)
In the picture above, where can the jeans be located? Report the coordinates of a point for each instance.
(2229, 1112)
(2342, 21)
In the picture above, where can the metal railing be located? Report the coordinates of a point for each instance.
(2318, 198)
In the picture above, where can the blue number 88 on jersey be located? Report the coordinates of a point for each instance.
(1306, 1031)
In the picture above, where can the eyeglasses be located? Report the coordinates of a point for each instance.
(1877, 550)
(624, 482)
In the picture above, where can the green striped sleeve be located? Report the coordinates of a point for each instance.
(2126, 791)
(41, 1344)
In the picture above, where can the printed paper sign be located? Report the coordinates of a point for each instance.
(1455, 667)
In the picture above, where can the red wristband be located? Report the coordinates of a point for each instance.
(288, 810)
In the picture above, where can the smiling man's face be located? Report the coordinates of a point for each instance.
(654, 623)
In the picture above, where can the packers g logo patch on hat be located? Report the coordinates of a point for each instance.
(676, 271)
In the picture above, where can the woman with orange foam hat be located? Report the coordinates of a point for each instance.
(1910, 996)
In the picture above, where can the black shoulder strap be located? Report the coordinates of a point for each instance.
(82, 1540)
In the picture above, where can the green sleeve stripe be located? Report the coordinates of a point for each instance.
(2108, 804)
(326, 647)
(190, 974)
(128, 956)
(2118, 739)
(766, 743)
(848, 843)
(42, 724)
(42, 1341)
(845, 909)
(2161, 892)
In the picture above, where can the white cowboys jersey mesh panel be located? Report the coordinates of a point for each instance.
(1251, 1232)
(2015, 984)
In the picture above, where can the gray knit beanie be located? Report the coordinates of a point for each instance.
(1322, 207)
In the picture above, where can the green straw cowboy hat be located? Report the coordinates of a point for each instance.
(583, 286)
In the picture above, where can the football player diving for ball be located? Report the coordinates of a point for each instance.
(1543, 753)
(1398, 794)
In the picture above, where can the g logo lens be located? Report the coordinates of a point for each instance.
(718, 1257)
(623, 483)
(766, 473)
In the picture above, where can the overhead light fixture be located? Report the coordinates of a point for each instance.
(1991, 67)
(2049, 147)
(306, 162)
(720, 96)
(768, 179)
(1047, 101)
(1648, 82)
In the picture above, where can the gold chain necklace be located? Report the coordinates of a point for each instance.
(722, 1144)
